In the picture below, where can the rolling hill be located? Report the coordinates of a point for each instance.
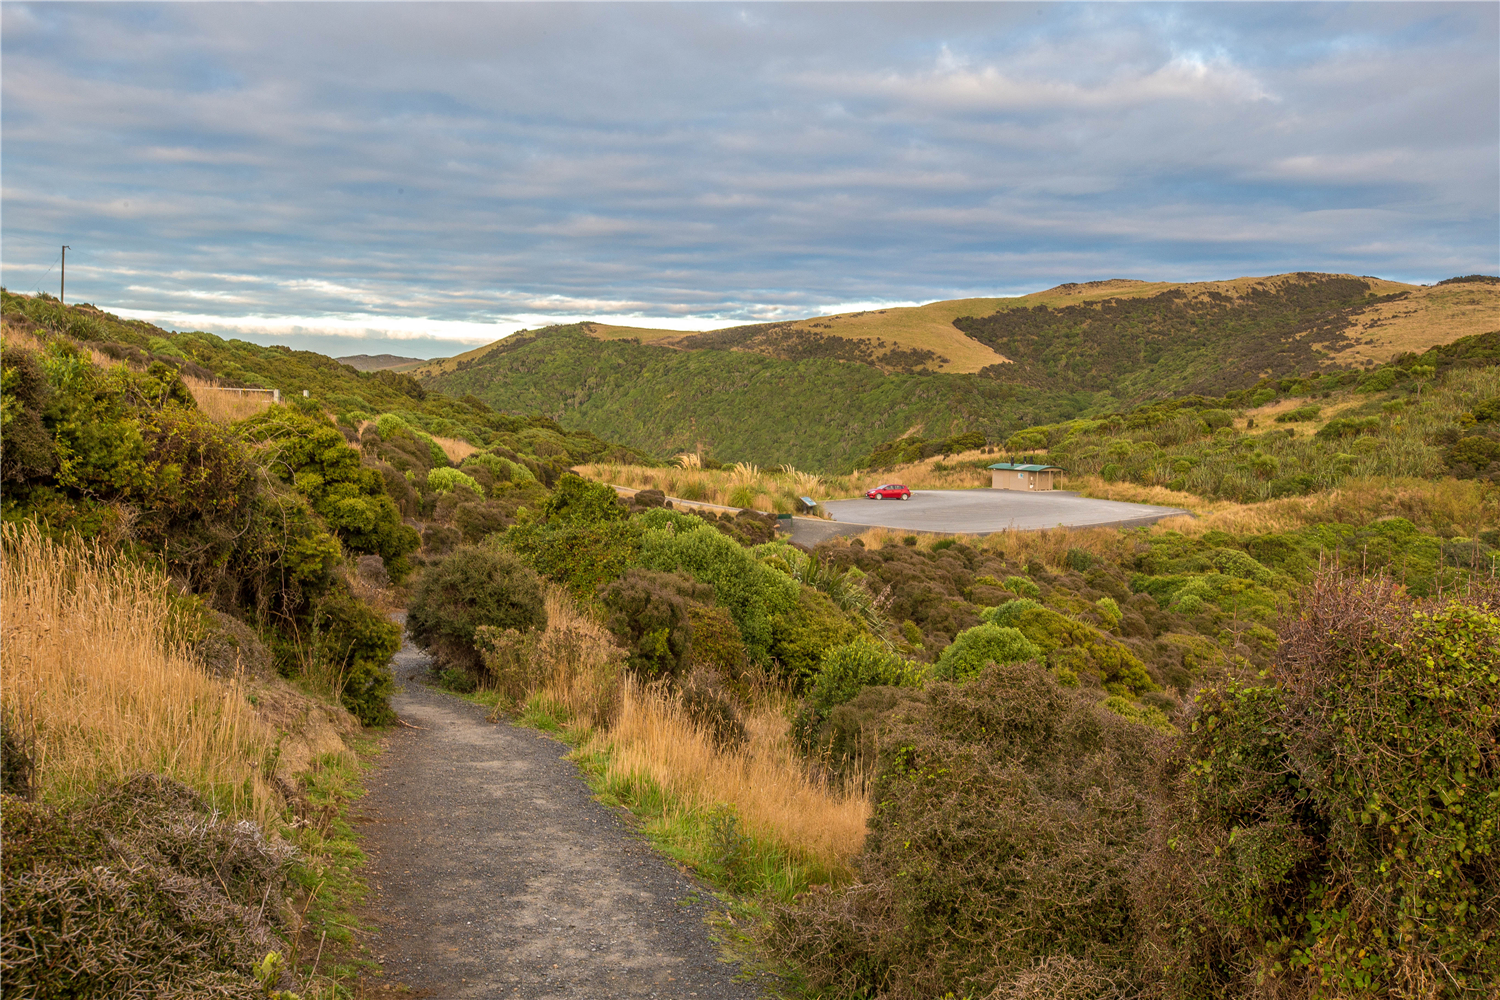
(822, 392)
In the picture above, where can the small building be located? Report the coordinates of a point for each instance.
(1025, 477)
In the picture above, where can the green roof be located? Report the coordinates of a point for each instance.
(1026, 468)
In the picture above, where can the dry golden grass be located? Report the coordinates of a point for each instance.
(575, 668)
(771, 792)
(1424, 319)
(93, 677)
(226, 405)
(457, 450)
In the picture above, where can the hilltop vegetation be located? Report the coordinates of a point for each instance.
(739, 405)
(823, 394)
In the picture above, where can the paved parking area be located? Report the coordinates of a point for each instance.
(982, 511)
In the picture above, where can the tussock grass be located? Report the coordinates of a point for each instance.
(94, 681)
(226, 405)
(773, 796)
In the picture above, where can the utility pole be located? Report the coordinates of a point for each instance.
(62, 291)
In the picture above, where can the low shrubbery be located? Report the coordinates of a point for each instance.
(475, 586)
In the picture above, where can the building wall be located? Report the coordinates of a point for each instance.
(1009, 479)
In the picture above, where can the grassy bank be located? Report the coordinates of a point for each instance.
(747, 815)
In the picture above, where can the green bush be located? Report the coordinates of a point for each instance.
(580, 557)
(311, 455)
(353, 645)
(750, 591)
(581, 503)
(973, 648)
(446, 480)
(1021, 587)
(1110, 609)
(1006, 614)
(864, 662)
(474, 586)
(802, 634)
(1299, 415)
(648, 613)
(1333, 830)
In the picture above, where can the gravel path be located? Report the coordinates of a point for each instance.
(494, 873)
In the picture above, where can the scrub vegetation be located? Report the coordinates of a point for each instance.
(1250, 752)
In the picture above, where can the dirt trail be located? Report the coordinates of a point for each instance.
(494, 873)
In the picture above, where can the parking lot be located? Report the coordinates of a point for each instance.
(980, 512)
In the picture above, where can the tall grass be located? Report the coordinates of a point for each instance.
(98, 686)
(456, 449)
(573, 671)
(226, 405)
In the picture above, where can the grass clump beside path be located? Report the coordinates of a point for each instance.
(152, 849)
(745, 814)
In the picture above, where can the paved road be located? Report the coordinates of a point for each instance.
(495, 874)
(980, 512)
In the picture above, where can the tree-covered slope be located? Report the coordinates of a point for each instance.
(815, 413)
(810, 395)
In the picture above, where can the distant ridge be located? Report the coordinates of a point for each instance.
(376, 362)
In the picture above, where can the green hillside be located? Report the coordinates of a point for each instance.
(777, 393)
(814, 413)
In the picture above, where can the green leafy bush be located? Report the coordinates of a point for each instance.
(447, 480)
(1021, 586)
(1299, 415)
(474, 586)
(973, 648)
(581, 557)
(581, 503)
(847, 669)
(1334, 832)
(312, 456)
(648, 614)
(353, 645)
(750, 591)
(803, 633)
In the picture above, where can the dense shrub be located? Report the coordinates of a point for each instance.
(648, 614)
(312, 456)
(847, 669)
(581, 502)
(580, 557)
(449, 480)
(751, 592)
(353, 645)
(1009, 818)
(472, 587)
(1334, 832)
(974, 648)
(140, 890)
(803, 633)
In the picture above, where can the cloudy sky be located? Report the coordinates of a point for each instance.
(421, 178)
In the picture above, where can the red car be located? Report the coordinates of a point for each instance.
(894, 491)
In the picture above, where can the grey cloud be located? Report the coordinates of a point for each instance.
(473, 162)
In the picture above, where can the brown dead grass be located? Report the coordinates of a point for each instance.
(771, 792)
(95, 680)
(456, 449)
(1424, 319)
(225, 405)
